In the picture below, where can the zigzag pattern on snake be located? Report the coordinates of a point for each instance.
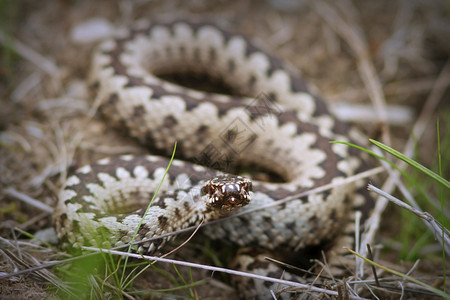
(272, 120)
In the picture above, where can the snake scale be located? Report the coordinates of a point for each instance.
(270, 119)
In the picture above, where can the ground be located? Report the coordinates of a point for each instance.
(389, 56)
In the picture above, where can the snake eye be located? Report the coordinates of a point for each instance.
(248, 186)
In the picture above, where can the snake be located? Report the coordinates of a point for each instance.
(266, 118)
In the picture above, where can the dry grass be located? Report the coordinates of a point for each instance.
(375, 53)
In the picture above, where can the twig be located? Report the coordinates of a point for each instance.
(186, 241)
(369, 252)
(345, 25)
(433, 99)
(401, 88)
(218, 269)
(440, 86)
(27, 199)
(400, 185)
(404, 276)
(363, 113)
(28, 53)
(28, 261)
(358, 262)
(396, 45)
(114, 288)
(437, 227)
(32, 81)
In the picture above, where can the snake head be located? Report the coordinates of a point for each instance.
(227, 193)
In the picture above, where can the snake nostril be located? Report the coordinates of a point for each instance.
(232, 200)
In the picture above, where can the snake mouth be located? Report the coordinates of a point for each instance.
(227, 193)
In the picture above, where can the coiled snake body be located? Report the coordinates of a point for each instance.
(276, 123)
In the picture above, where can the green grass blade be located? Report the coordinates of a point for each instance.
(441, 196)
(154, 195)
(148, 207)
(412, 163)
(362, 149)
